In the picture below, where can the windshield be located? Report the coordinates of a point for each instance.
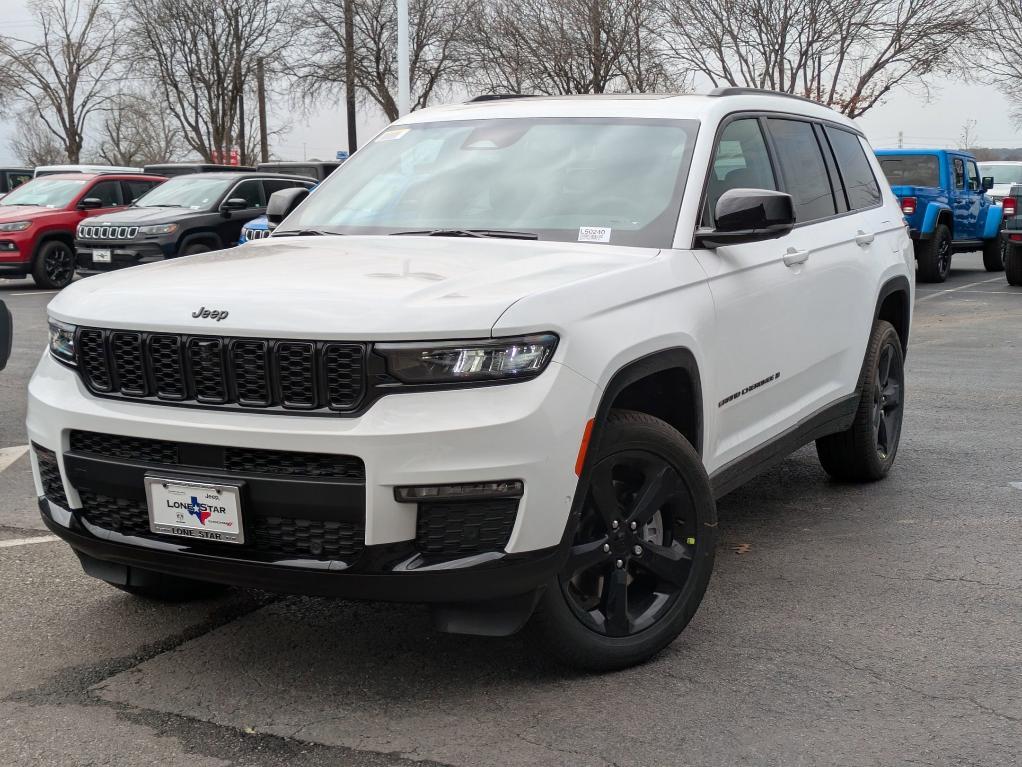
(45, 192)
(911, 169)
(1003, 174)
(581, 179)
(185, 192)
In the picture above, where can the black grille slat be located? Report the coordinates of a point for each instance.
(296, 372)
(250, 372)
(128, 448)
(126, 352)
(121, 515)
(215, 371)
(92, 358)
(49, 475)
(206, 365)
(463, 528)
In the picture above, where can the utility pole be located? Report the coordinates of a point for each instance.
(240, 91)
(264, 141)
(901, 140)
(403, 89)
(349, 74)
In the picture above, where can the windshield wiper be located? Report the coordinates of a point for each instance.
(500, 233)
(306, 233)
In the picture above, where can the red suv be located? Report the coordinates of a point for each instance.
(38, 220)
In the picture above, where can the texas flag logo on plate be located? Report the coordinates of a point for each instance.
(199, 510)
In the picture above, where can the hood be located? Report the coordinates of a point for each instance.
(22, 212)
(145, 216)
(350, 288)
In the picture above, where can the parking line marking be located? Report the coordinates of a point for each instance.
(955, 290)
(26, 541)
(31, 293)
(9, 455)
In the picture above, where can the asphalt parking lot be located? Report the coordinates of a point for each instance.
(845, 625)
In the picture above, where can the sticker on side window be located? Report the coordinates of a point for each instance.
(594, 234)
(392, 135)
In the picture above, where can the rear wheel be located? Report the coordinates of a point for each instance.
(865, 451)
(1013, 265)
(54, 265)
(642, 553)
(934, 255)
(168, 588)
(993, 255)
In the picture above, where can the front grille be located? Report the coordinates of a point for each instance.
(49, 475)
(234, 459)
(107, 232)
(274, 536)
(256, 234)
(463, 528)
(214, 371)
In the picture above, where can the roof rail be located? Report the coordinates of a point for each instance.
(500, 96)
(730, 91)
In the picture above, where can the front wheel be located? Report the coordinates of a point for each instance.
(865, 451)
(934, 256)
(642, 552)
(1013, 265)
(54, 265)
(994, 254)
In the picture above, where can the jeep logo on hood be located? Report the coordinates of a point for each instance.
(212, 314)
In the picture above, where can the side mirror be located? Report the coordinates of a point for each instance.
(90, 203)
(749, 215)
(282, 203)
(6, 334)
(988, 183)
(233, 203)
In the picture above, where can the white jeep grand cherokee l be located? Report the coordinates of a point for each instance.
(503, 361)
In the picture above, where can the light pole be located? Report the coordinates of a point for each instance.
(403, 91)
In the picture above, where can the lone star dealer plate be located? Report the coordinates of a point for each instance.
(102, 256)
(198, 510)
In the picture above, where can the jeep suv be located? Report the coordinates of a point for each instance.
(503, 362)
(38, 220)
(189, 214)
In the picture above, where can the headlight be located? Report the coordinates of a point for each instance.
(499, 359)
(15, 226)
(62, 342)
(158, 229)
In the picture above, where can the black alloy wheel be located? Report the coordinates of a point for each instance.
(887, 400)
(944, 257)
(55, 265)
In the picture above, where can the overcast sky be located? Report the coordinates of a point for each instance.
(937, 122)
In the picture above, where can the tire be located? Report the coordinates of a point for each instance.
(195, 248)
(865, 452)
(161, 587)
(54, 265)
(610, 608)
(993, 255)
(1013, 265)
(934, 256)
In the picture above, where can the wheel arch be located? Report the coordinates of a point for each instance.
(894, 305)
(204, 237)
(56, 234)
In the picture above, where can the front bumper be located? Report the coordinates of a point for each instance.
(528, 431)
(122, 254)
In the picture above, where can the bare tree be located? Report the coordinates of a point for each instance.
(1000, 38)
(202, 56)
(437, 54)
(63, 76)
(34, 144)
(967, 138)
(136, 134)
(567, 46)
(847, 55)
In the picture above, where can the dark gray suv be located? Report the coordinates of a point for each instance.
(186, 215)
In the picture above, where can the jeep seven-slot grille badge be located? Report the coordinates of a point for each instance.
(213, 371)
(105, 232)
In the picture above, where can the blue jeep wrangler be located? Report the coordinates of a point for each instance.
(946, 206)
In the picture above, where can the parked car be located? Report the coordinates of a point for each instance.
(49, 170)
(1011, 234)
(183, 168)
(259, 228)
(1004, 173)
(503, 362)
(187, 215)
(944, 201)
(38, 220)
(12, 178)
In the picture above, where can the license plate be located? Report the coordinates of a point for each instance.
(198, 510)
(101, 256)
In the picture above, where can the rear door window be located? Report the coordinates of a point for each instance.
(854, 172)
(803, 169)
(272, 185)
(135, 189)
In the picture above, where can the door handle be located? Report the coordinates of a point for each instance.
(864, 238)
(795, 257)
